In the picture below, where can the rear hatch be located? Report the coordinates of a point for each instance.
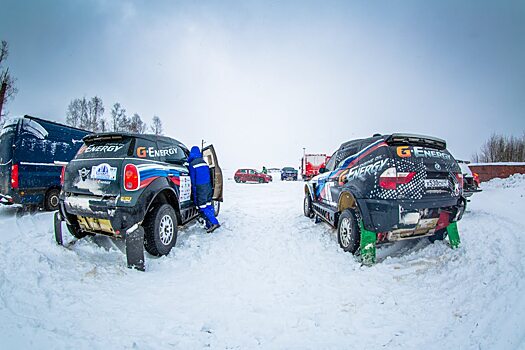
(96, 170)
(425, 168)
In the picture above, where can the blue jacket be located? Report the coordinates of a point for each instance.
(200, 177)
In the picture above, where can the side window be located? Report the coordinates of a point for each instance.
(252, 171)
(344, 157)
(170, 152)
(145, 149)
(331, 163)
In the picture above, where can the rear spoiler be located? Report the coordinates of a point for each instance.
(104, 136)
(420, 140)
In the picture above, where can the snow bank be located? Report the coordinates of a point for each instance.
(269, 279)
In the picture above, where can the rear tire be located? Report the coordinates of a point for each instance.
(51, 201)
(307, 207)
(438, 236)
(160, 230)
(76, 231)
(348, 232)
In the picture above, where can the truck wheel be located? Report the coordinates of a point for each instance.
(438, 236)
(348, 233)
(216, 207)
(51, 201)
(160, 230)
(76, 231)
(307, 207)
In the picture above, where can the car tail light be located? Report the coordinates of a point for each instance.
(459, 178)
(62, 174)
(476, 178)
(390, 178)
(131, 178)
(14, 176)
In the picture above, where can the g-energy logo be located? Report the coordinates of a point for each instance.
(420, 152)
(143, 152)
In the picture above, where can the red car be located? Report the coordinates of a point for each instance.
(251, 175)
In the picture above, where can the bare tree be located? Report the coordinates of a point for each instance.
(7, 82)
(156, 126)
(77, 114)
(96, 113)
(119, 120)
(136, 124)
(499, 148)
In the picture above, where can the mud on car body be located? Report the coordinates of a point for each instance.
(398, 186)
(133, 187)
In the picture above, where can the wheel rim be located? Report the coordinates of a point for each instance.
(166, 229)
(53, 200)
(345, 231)
(306, 206)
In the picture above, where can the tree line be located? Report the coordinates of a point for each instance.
(499, 148)
(8, 89)
(88, 114)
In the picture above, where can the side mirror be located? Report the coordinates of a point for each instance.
(322, 170)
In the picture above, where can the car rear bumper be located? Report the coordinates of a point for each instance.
(419, 216)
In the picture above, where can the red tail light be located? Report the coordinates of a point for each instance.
(62, 174)
(14, 176)
(476, 178)
(131, 178)
(390, 178)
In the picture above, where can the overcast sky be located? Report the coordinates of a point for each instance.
(263, 79)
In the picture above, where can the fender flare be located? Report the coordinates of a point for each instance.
(152, 192)
(309, 189)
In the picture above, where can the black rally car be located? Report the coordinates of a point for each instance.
(398, 186)
(133, 187)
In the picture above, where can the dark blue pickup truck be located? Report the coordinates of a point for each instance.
(33, 152)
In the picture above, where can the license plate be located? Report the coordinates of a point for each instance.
(436, 183)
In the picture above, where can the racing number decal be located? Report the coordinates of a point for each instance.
(185, 189)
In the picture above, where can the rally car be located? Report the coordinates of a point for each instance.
(131, 187)
(388, 188)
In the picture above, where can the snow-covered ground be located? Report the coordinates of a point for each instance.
(271, 279)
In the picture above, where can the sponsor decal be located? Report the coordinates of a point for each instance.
(422, 152)
(185, 188)
(368, 170)
(103, 148)
(84, 173)
(404, 151)
(143, 152)
(125, 199)
(104, 172)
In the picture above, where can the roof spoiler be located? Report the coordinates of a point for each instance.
(414, 139)
(104, 136)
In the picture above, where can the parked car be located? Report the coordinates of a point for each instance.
(251, 175)
(132, 187)
(394, 187)
(33, 152)
(470, 179)
(288, 173)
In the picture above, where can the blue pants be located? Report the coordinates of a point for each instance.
(209, 216)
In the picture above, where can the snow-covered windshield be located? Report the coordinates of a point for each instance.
(34, 128)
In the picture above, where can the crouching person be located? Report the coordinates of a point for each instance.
(201, 188)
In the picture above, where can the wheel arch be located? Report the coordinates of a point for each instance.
(165, 196)
(309, 190)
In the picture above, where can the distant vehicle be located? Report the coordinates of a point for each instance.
(33, 152)
(310, 165)
(388, 188)
(132, 187)
(470, 179)
(289, 173)
(251, 175)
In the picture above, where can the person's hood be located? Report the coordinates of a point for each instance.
(195, 152)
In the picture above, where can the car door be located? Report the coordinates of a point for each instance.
(210, 157)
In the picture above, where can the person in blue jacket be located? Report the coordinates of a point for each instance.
(202, 190)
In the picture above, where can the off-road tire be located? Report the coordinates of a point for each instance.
(51, 200)
(216, 207)
(348, 231)
(307, 207)
(438, 236)
(161, 218)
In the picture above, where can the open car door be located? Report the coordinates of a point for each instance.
(210, 157)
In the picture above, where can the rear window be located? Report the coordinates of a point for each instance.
(105, 149)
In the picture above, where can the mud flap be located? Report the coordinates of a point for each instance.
(367, 245)
(58, 228)
(135, 249)
(453, 234)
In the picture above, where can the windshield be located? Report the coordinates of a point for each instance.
(289, 169)
(104, 149)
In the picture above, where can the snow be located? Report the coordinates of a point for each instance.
(269, 279)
